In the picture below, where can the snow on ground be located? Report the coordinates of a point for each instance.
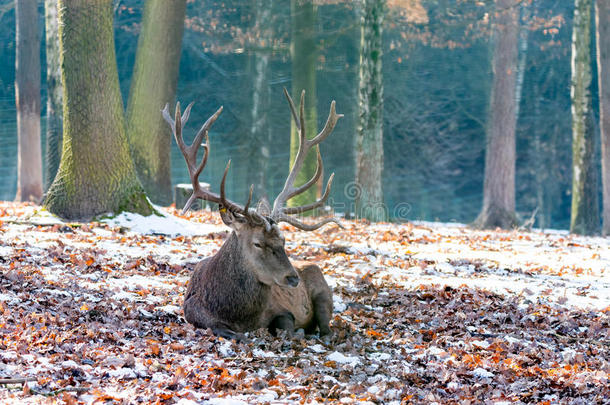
(423, 313)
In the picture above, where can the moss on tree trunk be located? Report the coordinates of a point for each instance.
(96, 174)
(304, 54)
(584, 219)
(153, 85)
(369, 136)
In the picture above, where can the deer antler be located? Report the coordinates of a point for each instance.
(280, 212)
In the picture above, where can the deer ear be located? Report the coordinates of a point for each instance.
(230, 219)
(263, 207)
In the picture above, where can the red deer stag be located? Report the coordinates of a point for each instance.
(250, 283)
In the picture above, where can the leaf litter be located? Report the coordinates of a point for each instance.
(423, 313)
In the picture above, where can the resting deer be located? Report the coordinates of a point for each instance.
(250, 283)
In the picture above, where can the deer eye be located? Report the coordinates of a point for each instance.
(258, 245)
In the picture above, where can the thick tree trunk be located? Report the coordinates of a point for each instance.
(603, 68)
(27, 98)
(584, 218)
(304, 55)
(499, 184)
(96, 173)
(153, 85)
(369, 136)
(54, 93)
(260, 136)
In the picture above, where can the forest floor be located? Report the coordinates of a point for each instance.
(423, 313)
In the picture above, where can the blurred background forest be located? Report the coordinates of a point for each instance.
(437, 76)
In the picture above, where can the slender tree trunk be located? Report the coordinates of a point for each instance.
(304, 55)
(96, 174)
(584, 218)
(499, 184)
(603, 68)
(27, 98)
(155, 76)
(54, 93)
(369, 136)
(260, 137)
(522, 52)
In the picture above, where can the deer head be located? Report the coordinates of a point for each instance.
(259, 239)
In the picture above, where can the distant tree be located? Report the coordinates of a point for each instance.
(602, 14)
(260, 135)
(584, 219)
(369, 135)
(304, 54)
(27, 97)
(153, 84)
(54, 93)
(499, 184)
(96, 173)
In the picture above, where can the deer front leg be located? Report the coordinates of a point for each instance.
(284, 321)
(322, 307)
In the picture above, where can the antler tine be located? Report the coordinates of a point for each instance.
(289, 190)
(307, 227)
(308, 207)
(281, 213)
(312, 181)
(292, 108)
(247, 206)
(230, 205)
(333, 117)
(190, 151)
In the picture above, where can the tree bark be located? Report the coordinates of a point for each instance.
(369, 136)
(499, 184)
(96, 174)
(584, 219)
(27, 99)
(260, 136)
(54, 93)
(303, 51)
(603, 71)
(153, 85)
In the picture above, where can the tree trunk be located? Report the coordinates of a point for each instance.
(584, 218)
(603, 68)
(27, 99)
(499, 184)
(260, 137)
(54, 93)
(154, 80)
(96, 173)
(369, 136)
(522, 54)
(304, 55)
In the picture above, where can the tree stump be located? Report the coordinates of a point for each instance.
(183, 191)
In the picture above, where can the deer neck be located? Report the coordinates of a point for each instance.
(243, 296)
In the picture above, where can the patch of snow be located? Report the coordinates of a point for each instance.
(225, 401)
(123, 373)
(164, 224)
(338, 304)
(225, 349)
(481, 343)
(318, 348)
(380, 356)
(482, 373)
(343, 359)
(170, 309)
(261, 353)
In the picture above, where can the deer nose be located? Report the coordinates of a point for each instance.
(292, 281)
